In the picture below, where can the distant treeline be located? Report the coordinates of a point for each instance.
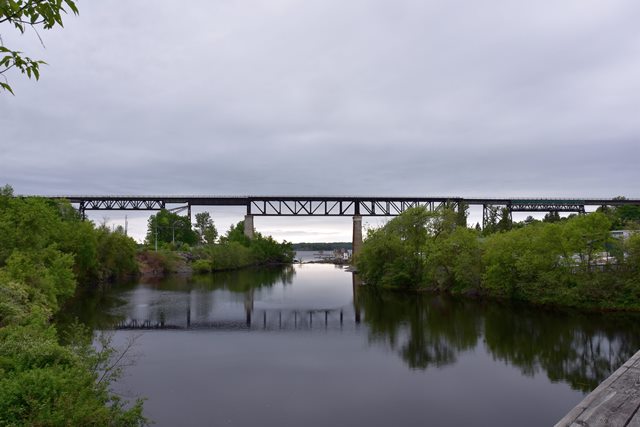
(321, 246)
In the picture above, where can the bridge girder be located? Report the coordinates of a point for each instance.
(335, 205)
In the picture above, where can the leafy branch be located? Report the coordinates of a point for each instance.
(22, 14)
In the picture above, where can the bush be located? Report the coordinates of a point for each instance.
(45, 383)
(44, 249)
(201, 266)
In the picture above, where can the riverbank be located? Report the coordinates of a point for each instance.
(573, 263)
(47, 253)
(157, 265)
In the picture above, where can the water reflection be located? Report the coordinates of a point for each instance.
(246, 299)
(431, 331)
(425, 331)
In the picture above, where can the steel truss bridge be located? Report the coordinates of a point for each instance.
(336, 205)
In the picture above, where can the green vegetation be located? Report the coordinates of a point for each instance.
(235, 250)
(168, 230)
(45, 251)
(205, 228)
(22, 15)
(179, 244)
(569, 262)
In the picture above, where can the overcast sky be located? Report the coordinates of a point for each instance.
(318, 97)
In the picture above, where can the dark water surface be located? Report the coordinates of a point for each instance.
(297, 347)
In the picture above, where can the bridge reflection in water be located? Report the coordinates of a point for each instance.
(258, 319)
(199, 314)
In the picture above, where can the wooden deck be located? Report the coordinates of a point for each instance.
(615, 402)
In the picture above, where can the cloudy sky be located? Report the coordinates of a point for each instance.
(319, 97)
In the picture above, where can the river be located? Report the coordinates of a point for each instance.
(305, 345)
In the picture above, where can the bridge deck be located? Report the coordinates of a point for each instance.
(615, 402)
(335, 205)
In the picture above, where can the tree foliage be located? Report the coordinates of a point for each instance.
(45, 249)
(206, 229)
(622, 217)
(235, 250)
(23, 15)
(573, 261)
(169, 229)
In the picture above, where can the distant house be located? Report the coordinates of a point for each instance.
(342, 253)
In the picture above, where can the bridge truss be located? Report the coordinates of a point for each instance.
(337, 205)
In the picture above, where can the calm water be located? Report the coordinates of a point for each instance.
(296, 346)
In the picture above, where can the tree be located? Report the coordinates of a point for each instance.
(552, 216)
(236, 234)
(505, 222)
(623, 216)
(394, 255)
(206, 229)
(22, 14)
(490, 219)
(170, 228)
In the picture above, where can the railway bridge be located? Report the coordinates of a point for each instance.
(353, 206)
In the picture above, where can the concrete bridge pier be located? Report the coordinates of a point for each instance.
(248, 226)
(357, 235)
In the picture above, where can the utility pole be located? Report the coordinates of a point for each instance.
(156, 221)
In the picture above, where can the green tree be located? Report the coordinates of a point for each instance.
(169, 228)
(454, 260)
(236, 234)
(490, 220)
(206, 229)
(586, 236)
(22, 15)
(394, 255)
(552, 216)
(621, 217)
(505, 223)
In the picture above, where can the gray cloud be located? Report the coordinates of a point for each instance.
(465, 98)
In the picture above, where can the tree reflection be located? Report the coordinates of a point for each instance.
(246, 279)
(96, 308)
(431, 331)
(426, 331)
(576, 348)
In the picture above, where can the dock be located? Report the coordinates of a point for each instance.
(615, 402)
